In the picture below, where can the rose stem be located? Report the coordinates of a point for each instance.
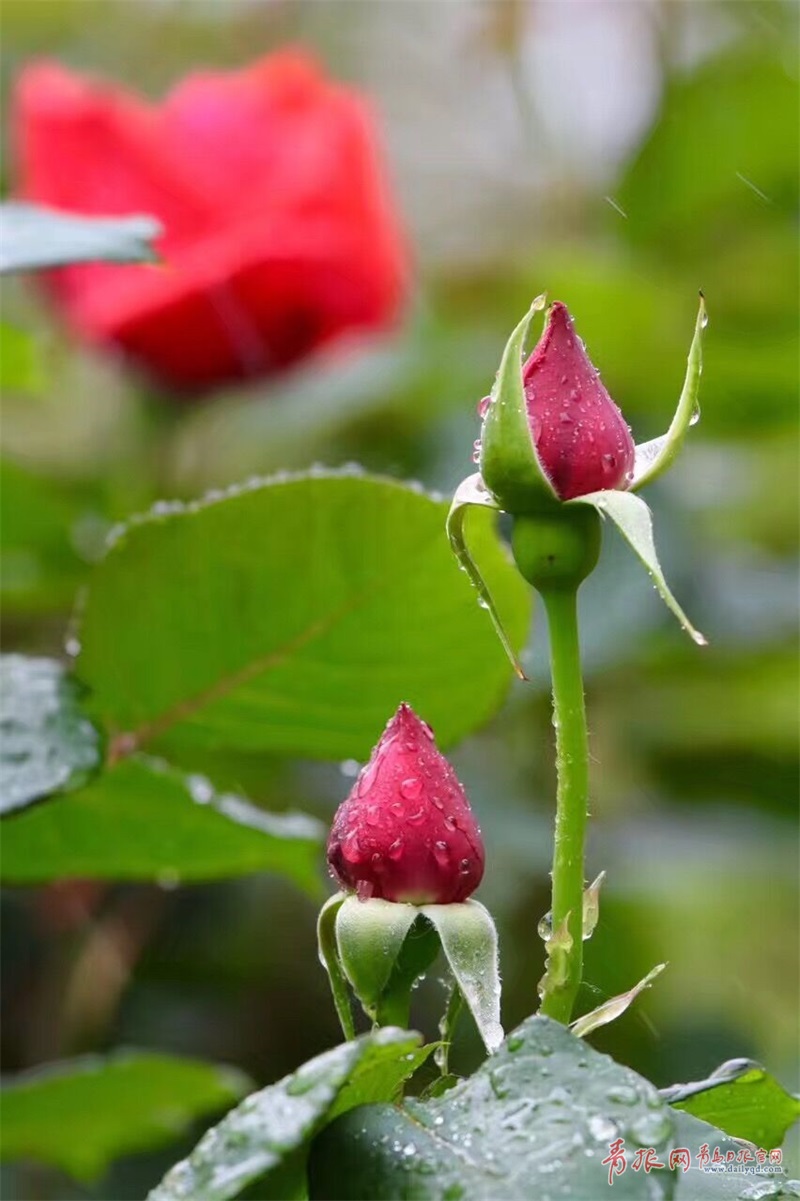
(572, 764)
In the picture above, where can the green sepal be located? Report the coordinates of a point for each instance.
(329, 958)
(633, 519)
(369, 938)
(469, 941)
(509, 464)
(472, 492)
(614, 1007)
(447, 1029)
(417, 953)
(655, 457)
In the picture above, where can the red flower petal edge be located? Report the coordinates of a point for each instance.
(406, 831)
(581, 437)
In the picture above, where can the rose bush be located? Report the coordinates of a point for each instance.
(280, 230)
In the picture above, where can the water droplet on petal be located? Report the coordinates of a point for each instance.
(364, 890)
(441, 854)
(350, 848)
(397, 808)
(450, 822)
(372, 815)
(483, 406)
(396, 849)
(416, 817)
(411, 788)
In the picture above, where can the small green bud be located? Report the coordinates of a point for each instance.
(559, 549)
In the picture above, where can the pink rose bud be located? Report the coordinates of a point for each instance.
(406, 831)
(581, 438)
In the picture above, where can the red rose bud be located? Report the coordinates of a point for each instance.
(280, 233)
(406, 831)
(582, 440)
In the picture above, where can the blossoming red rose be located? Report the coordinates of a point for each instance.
(280, 233)
(406, 831)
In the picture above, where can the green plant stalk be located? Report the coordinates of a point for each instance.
(572, 763)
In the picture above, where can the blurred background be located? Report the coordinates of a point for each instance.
(620, 156)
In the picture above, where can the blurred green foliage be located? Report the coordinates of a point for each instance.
(695, 752)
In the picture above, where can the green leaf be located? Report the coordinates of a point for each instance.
(40, 569)
(534, 1121)
(47, 745)
(269, 1126)
(471, 494)
(698, 1185)
(741, 1098)
(32, 238)
(632, 518)
(656, 457)
(81, 1114)
(143, 821)
(469, 942)
(292, 616)
(380, 1075)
